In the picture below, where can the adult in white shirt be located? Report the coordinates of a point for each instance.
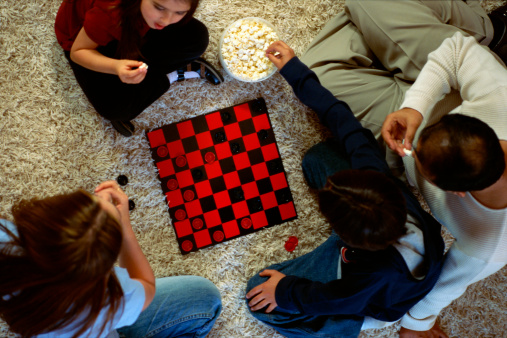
(369, 56)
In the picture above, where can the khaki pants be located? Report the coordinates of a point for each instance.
(370, 54)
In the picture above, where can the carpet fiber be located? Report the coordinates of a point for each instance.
(52, 141)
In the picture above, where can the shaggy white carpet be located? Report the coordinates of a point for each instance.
(52, 142)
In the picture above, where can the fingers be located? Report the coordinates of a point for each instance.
(107, 184)
(279, 53)
(266, 273)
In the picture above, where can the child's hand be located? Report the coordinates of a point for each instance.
(279, 53)
(264, 294)
(111, 191)
(130, 71)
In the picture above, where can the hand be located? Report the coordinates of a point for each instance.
(279, 53)
(264, 294)
(111, 191)
(399, 129)
(129, 72)
(434, 332)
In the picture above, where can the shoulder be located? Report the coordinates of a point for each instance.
(102, 22)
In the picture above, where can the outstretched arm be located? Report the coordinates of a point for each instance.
(359, 144)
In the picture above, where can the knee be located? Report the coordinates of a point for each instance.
(207, 293)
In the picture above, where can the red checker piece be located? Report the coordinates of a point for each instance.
(209, 157)
(187, 245)
(162, 151)
(188, 195)
(218, 236)
(246, 223)
(291, 243)
(181, 161)
(197, 223)
(180, 214)
(172, 184)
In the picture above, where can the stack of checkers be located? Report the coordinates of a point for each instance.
(222, 175)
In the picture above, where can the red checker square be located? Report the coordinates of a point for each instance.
(185, 129)
(222, 199)
(232, 180)
(287, 210)
(193, 208)
(270, 152)
(242, 112)
(203, 189)
(174, 198)
(183, 228)
(165, 168)
(251, 141)
(231, 229)
(232, 131)
(204, 140)
(213, 169)
(223, 150)
(202, 238)
(214, 120)
(278, 181)
(175, 148)
(241, 161)
(184, 178)
(261, 122)
(212, 219)
(240, 209)
(156, 138)
(250, 190)
(259, 220)
(194, 159)
(269, 200)
(260, 171)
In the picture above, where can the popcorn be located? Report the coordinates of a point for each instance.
(243, 49)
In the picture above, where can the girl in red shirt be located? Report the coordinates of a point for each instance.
(126, 53)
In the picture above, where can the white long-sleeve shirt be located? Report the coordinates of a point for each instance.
(480, 248)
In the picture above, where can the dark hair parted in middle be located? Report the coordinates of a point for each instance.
(460, 153)
(365, 208)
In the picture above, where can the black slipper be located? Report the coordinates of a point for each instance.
(204, 69)
(126, 128)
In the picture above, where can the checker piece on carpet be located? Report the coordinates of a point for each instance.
(222, 175)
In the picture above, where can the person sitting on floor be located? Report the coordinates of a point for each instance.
(385, 253)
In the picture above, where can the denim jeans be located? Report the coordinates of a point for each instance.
(323, 160)
(320, 265)
(184, 306)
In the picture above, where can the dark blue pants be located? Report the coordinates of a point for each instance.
(163, 51)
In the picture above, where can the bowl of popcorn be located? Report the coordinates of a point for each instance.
(243, 49)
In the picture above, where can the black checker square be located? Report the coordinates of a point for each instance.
(228, 116)
(199, 123)
(246, 175)
(208, 204)
(208, 179)
(254, 205)
(264, 186)
(247, 127)
(218, 135)
(275, 166)
(190, 144)
(283, 196)
(227, 165)
(257, 106)
(236, 195)
(273, 215)
(199, 174)
(171, 133)
(217, 184)
(255, 156)
(226, 214)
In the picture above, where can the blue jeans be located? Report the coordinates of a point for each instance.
(319, 265)
(184, 306)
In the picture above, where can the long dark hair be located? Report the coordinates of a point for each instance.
(59, 266)
(132, 22)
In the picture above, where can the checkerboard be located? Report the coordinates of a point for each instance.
(222, 175)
